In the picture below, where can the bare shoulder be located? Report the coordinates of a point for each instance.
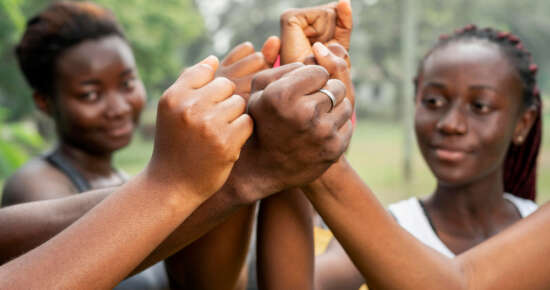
(36, 180)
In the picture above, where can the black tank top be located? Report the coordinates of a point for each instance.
(79, 181)
(59, 162)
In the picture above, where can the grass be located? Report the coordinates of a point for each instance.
(376, 153)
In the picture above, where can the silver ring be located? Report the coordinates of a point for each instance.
(331, 97)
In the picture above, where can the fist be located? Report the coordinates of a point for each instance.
(300, 28)
(242, 63)
(298, 133)
(201, 127)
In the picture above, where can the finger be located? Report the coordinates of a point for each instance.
(238, 52)
(271, 49)
(217, 90)
(323, 26)
(344, 14)
(324, 104)
(333, 64)
(345, 133)
(310, 60)
(341, 114)
(336, 66)
(338, 50)
(200, 74)
(262, 79)
(300, 82)
(241, 129)
(230, 109)
(250, 64)
(243, 85)
(344, 23)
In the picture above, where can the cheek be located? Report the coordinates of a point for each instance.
(424, 124)
(495, 135)
(137, 101)
(81, 117)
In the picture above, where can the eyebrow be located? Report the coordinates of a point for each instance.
(90, 82)
(482, 87)
(97, 82)
(436, 84)
(127, 72)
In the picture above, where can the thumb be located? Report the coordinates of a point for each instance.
(344, 13)
(336, 66)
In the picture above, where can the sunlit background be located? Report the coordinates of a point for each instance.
(389, 38)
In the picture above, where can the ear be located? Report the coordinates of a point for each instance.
(524, 125)
(43, 103)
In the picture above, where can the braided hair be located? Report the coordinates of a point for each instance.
(520, 165)
(59, 27)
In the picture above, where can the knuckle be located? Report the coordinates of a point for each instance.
(225, 83)
(188, 114)
(318, 70)
(287, 14)
(340, 66)
(348, 108)
(260, 80)
(257, 56)
(333, 149)
(324, 130)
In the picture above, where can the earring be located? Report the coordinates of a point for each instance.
(519, 140)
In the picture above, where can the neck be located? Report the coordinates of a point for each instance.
(474, 203)
(89, 164)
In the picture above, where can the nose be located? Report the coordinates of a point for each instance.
(117, 105)
(453, 122)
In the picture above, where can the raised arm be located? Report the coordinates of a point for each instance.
(285, 219)
(390, 258)
(200, 131)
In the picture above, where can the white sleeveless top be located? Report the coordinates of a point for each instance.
(410, 215)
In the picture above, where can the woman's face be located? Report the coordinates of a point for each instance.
(99, 95)
(467, 107)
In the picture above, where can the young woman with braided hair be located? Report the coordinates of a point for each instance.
(478, 125)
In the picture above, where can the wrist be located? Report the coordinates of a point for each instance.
(248, 183)
(321, 185)
(177, 194)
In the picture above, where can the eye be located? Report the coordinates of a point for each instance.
(91, 96)
(481, 107)
(129, 84)
(434, 101)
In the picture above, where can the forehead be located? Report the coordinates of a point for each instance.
(470, 61)
(95, 57)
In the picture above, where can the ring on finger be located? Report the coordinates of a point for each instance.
(331, 97)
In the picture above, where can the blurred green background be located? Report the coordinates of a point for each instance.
(170, 34)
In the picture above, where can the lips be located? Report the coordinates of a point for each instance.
(120, 130)
(450, 153)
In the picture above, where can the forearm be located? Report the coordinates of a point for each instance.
(285, 242)
(216, 259)
(386, 255)
(115, 235)
(212, 213)
(25, 226)
(513, 259)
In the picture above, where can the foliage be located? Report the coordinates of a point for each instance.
(18, 142)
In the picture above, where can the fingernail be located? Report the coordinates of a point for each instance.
(209, 59)
(321, 49)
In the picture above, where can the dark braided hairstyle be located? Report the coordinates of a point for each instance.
(54, 30)
(520, 166)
